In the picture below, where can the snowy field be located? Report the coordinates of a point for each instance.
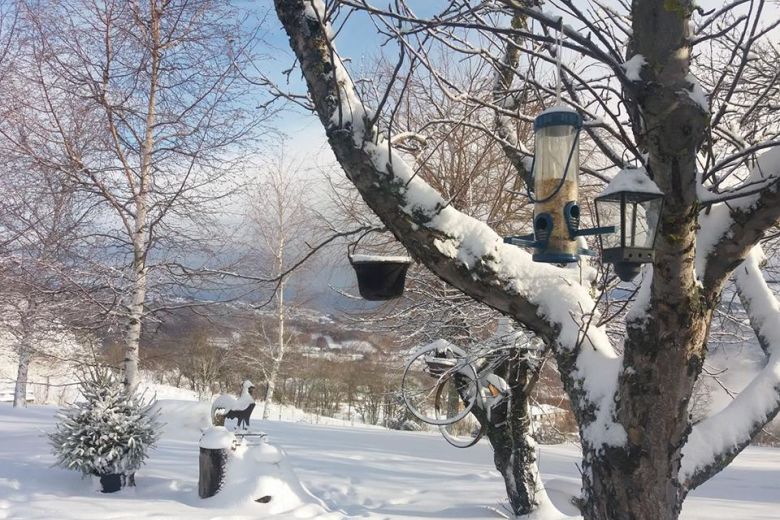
(358, 472)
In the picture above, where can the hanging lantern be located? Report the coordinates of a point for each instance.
(555, 172)
(632, 203)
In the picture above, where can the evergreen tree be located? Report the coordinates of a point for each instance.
(109, 432)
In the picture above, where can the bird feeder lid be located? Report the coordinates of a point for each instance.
(558, 116)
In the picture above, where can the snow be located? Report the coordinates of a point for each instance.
(697, 94)
(330, 472)
(713, 226)
(716, 222)
(245, 399)
(262, 471)
(557, 108)
(632, 179)
(633, 67)
(767, 166)
(7, 393)
(379, 258)
(216, 438)
(637, 314)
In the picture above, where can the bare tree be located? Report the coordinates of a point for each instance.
(144, 105)
(279, 220)
(44, 274)
(642, 454)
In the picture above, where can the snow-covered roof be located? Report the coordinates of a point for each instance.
(557, 108)
(632, 179)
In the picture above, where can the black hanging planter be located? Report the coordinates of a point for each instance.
(111, 482)
(380, 278)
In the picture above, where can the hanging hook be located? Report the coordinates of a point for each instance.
(354, 244)
(558, 63)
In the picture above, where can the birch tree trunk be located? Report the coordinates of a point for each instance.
(141, 239)
(133, 334)
(280, 318)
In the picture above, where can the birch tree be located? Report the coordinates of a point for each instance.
(144, 105)
(279, 217)
(635, 78)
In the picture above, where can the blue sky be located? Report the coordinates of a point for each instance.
(359, 42)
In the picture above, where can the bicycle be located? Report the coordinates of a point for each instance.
(442, 384)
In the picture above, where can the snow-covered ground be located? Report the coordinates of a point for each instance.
(350, 472)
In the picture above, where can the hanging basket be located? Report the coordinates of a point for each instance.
(380, 278)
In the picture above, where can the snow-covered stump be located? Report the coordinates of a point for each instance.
(253, 472)
(214, 446)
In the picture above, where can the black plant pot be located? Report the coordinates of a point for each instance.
(111, 482)
(380, 280)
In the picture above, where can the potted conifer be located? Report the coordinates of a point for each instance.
(108, 433)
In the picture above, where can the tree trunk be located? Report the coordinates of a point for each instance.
(211, 475)
(514, 450)
(280, 317)
(664, 350)
(514, 455)
(269, 395)
(141, 239)
(20, 389)
(133, 335)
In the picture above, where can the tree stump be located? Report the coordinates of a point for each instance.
(212, 471)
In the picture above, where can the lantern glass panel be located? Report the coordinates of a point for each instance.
(556, 147)
(641, 222)
(608, 214)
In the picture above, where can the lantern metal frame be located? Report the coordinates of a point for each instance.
(627, 259)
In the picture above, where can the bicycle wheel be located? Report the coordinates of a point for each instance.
(432, 368)
(461, 434)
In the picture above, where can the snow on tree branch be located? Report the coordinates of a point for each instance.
(714, 442)
(461, 250)
(733, 227)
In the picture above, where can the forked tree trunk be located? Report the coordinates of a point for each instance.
(635, 477)
(664, 353)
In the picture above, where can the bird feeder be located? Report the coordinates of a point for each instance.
(632, 203)
(380, 278)
(555, 176)
(555, 171)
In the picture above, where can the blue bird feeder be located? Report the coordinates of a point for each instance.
(555, 174)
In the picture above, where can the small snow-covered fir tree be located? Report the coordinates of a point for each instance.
(109, 432)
